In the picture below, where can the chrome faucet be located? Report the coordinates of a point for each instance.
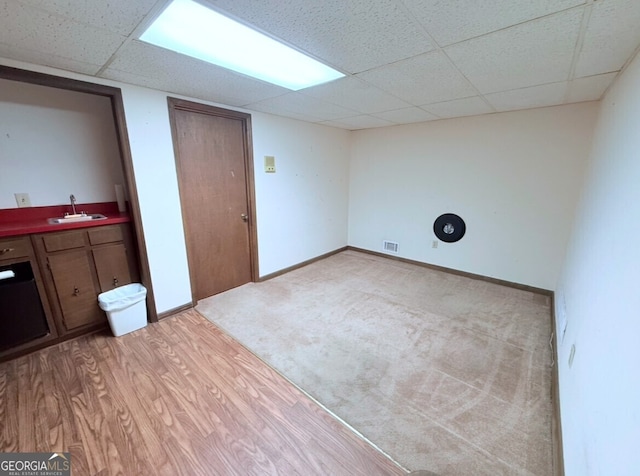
(73, 203)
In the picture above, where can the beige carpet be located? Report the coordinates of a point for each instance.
(443, 373)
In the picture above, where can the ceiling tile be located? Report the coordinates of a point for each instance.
(151, 66)
(460, 107)
(355, 94)
(526, 98)
(513, 53)
(353, 36)
(532, 53)
(120, 16)
(589, 88)
(284, 113)
(612, 35)
(301, 104)
(32, 29)
(358, 122)
(451, 21)
(406, 115)
(422, 79)
(47, 59)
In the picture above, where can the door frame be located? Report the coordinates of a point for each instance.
(176, 104)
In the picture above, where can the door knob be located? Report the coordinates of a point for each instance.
(245, 217)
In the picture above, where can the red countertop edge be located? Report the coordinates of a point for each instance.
(25, 221)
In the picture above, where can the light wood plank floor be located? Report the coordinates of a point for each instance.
(178, 397)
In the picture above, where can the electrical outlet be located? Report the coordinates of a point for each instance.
(434, 244)
(270, 164)
(22, 199)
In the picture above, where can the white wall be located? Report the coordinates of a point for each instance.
(599, 295)
(513, 177)
(302, 208)
(157, 185)
(54, 143)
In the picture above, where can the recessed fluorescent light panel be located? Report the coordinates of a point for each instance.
(195, 30)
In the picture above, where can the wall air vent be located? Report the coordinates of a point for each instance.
(390, 246)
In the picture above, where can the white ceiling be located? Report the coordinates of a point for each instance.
(405, 60)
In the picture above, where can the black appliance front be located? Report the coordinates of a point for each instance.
(22, 318)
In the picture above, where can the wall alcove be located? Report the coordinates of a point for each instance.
(123, 154)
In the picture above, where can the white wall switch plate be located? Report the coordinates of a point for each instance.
(270, 164)
(22, 199)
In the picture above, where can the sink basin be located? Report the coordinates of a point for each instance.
(76, 218)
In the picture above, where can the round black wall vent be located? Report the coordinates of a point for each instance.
(449, 227)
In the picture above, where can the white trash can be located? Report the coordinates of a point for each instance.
(126, 308)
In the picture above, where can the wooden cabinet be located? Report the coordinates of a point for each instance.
(113, 263)
(15, 248)
(75, 289)
(80, 265)
(112, 266)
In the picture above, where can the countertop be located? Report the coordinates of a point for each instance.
(25, 221)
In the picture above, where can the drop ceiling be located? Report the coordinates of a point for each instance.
(405, 60)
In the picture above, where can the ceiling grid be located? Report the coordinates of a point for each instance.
(405, 61)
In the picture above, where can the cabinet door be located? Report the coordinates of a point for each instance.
(112, 266)
(76, 292)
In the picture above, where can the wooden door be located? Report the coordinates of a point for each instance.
(112, 266)
(73, 279)
(216, 190)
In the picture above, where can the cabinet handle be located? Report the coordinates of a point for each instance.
(76, 291)
(115, 281)
(6, 250)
